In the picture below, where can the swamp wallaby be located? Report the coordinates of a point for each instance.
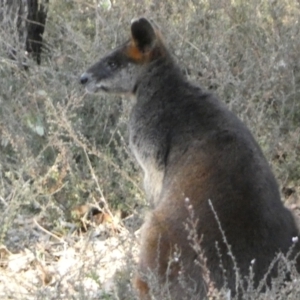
(201, 165)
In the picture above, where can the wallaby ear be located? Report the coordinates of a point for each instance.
(143, 34)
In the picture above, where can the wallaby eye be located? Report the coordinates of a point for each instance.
(112, 64)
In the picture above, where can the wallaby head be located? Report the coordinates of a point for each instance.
(119, 71)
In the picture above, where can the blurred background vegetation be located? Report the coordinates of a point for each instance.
(60, 148)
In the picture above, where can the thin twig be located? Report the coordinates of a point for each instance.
(48, 232)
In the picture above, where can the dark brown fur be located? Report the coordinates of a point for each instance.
(192, 149)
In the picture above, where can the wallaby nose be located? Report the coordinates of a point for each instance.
(84, 78)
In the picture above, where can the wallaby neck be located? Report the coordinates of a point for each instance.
(158, 77)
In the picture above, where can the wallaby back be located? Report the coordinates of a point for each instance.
(201, 167)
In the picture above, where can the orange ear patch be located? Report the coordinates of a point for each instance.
(134, 53)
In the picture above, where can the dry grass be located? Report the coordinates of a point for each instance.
(60, 148)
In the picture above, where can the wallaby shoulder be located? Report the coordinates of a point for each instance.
(172, 112)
